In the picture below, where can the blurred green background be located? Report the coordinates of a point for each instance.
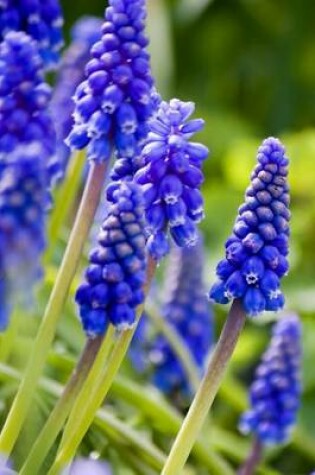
(249, 65)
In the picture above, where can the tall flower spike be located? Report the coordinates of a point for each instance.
(187, 310)
(85, 33)
(23, 204)
(113, 104)
(256, 252)
(24, 101)
(171, 177)
(275, 393)
(42, 20)
(116, 273)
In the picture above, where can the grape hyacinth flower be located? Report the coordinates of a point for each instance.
(114, 102)
(256, 252)
(84, 34)
(24, 101)
(23, 203)
(171, 177)
(275, 393)
(187, 310)
(42, 20)
(117, 269)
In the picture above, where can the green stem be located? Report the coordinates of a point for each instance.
(179, 347)
(58, 416)
(94, 391)
(250, 465)
(207, 391)
(45, 335)
(7, 339)
(64, 200)
(106, 421)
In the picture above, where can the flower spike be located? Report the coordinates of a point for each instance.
(256, 252)
(42, 20)
(84, 34)
(275, 393)
(187, 310)
(114, 102)
(116, 273)
(171, 177)
(23, 203)
(24, 102)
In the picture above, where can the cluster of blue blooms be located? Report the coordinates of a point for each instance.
(275, 393)
(24, 101)
(117, 270)
(27, 166)
(187, 310)
(256, 253)
(114, 102)
(41, 20)
(84, 34)
(171, 177)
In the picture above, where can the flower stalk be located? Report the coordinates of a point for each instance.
(255, 456)
(207, 391)
(64, 200)
(95, 390)
(45, 335)
(63, 406)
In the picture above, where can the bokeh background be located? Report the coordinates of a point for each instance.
(249, 65)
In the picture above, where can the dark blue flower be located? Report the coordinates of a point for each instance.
(24, 101)
(23, 204)
(42, 20)
(187, 310)
(171, 177)
(256, 252)
(85, 33)
(115, 276)
(275, 393)
(115, 101)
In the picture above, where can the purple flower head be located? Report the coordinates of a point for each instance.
(83, 466)
(114, 102)
(85, 33)
(187, 310)
(24, 101)
(256, 252)
(171, 177)
(276, 390)
(23, 204)
(42, 20)
(115, 276)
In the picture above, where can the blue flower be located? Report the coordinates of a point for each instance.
(115, 276)
(256, 252)
(42, 20)
(83, 466)
(24, 101)
(23, 203)
(85, 33)
(171, 177)
(187, 310)
(114, 102)
(275, 393)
